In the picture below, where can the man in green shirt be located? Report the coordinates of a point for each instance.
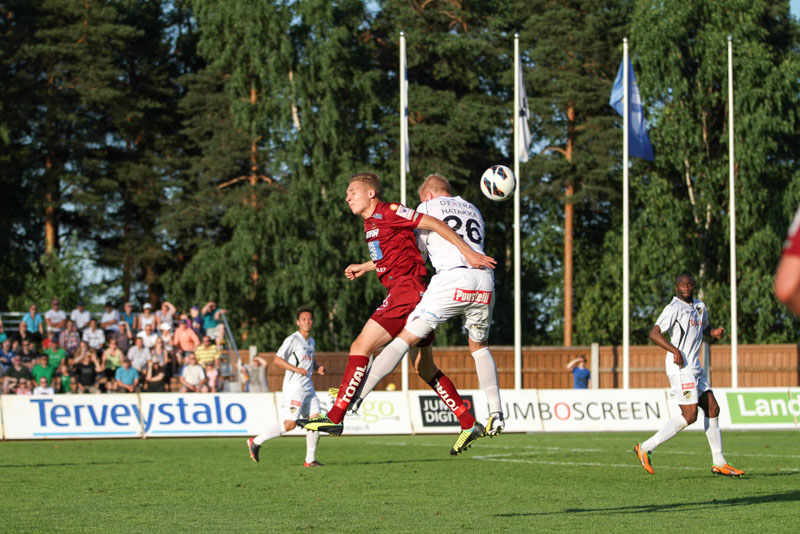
(55, 353)
(43, 369)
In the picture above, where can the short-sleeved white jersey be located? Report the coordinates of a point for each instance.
(685, 322)
(464, 218)
(300, 353)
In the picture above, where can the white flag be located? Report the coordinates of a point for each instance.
(524, 114)
(404, 100)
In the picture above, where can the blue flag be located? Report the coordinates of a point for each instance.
(638, 141)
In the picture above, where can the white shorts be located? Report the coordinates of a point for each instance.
(688, 387)
(465, 292)
(298, 403)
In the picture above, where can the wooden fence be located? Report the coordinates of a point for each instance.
(545, 367)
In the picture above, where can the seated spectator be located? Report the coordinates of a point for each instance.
(93, 335)
(207, 353)
(43, 370)
(70, 338)
(212, 323)
(3, 335)
(28, 354)
(165, 334)
(212, 375)
(162, 356)
(80, 316)
(63, 379)
(55, 354)
(83, 352)
(184, 340)
(14, 374)
(147, 317)
(111, 361)
(155, 378)
(139, 355)
(109, 321)
(88, 372)
(34, 323)
(5, 356)
(24, 387)
(130, 317)
(126, 378)
(192, 378)
(43, 387)
(124, 337)
(55, 318)
(254, 376)
(22, 334)
(148, 337)
(165, 316)
(196, 321)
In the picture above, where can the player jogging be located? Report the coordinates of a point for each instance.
(389, 230)
(686, 319)
(296, 356)
(456, 289)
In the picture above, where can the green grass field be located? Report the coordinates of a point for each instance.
(513, 483)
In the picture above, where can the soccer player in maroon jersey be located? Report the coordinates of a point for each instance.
(787, 277)
(389, 229)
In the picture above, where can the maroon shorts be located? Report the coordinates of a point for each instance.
(398, 305)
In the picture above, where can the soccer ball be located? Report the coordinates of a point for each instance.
(498, 183)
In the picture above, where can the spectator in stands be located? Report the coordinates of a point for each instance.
(139, 355)
(43, 370)
(34, 323)
(196, 321)
(184, 340)
(155, 378)
(81, 316)
(112, 360)
(124, 336)
(88, 371)
(126, 378)
(5, 356)
(212, 377)
(165, 315)
(15, 373)
(55, 318)
(22, 335)
(24, 387)
(254, 376)
(69, 338)
(165, 335)
(93, 335)
(130, 317)
(83, 352)
(212, 323)
(55, 354)
(580, 374)
(3, 335)
(207, 353)
(162, 356)
(147, 317)
(148, 336)
(43, 387)
(28, 354)
(110, 319)
(64, 380)
(193, 378)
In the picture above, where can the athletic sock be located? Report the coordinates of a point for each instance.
(353, 375)
(273, 431)
(449, 395)
(383, 364)
(667, 432)
(487, 377)
(714, 436)
(312, 438)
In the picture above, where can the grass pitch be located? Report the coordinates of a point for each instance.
(512, 483)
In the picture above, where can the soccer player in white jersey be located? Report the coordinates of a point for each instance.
(455, 290)
(296, 356)
(686, 320)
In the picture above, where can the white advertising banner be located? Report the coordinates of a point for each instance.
(521, 410)
(430, 414)
(581, 410)
(70, 416)
(215, 414)
(383, 412)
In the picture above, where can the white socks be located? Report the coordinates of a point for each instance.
(711, 424)
(312, 438)
(667, 432)
(383, 364)
(487, 377)
(272, 431)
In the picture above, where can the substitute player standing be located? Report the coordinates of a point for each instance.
(686, 319)
(455, 290)
(296, 356)
(400, 268)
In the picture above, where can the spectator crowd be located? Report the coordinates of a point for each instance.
(122, 352)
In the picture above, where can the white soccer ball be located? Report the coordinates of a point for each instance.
(498, 183)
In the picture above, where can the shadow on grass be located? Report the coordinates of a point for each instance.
(790, 496)
(74, 464)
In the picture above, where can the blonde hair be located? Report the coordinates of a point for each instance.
(436, 183)
(370, 179)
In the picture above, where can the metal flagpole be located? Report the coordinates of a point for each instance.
(517, 260)
(626, 328)
(403, 164)
(734, 329)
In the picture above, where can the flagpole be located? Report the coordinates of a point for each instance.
(517, 260)
(626, 329)
(403, 163)
(731, 194)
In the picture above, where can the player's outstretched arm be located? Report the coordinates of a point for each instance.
(357, 269)
(474, 259)
(658, 338)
